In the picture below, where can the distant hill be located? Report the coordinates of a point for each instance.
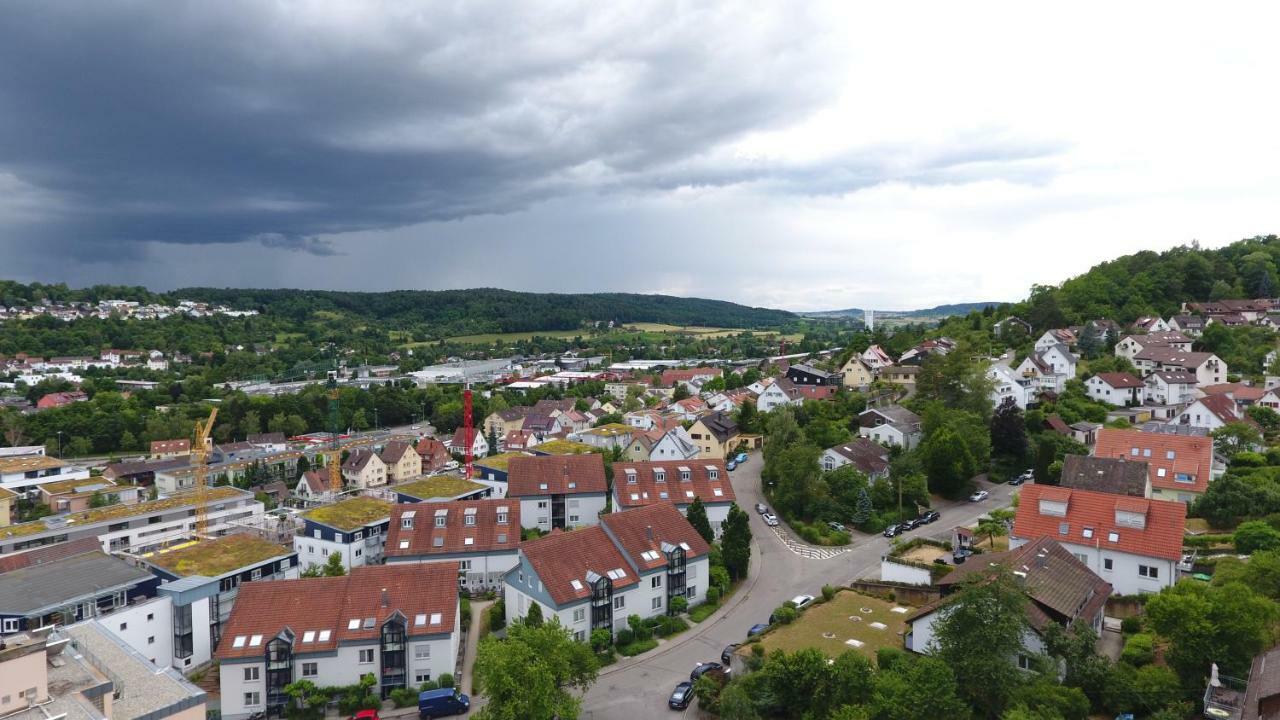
(459, 312)
(933, 313)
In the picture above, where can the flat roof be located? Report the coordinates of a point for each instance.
(118, 512)
(145, 690)
(54, 584)
(609, 430)
(440, 486)
(350, 514)
(218, 556)
(83, 485)
(563, 447)
(499, 461)
(26, 463)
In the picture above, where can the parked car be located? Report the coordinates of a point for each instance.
(893, 530)
(445, 701)
(979, 496)
(802, 601)
(757, 629)
(838, 527)
(731, 465)
(928, 516)
(366, 715)
(681, 696)
(761, 508)
(741, 458)
(771, 520)
(707, 667)
(910, 524)
(726, 655)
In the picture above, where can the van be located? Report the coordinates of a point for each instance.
(445, 701)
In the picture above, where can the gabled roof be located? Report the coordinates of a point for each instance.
(555, 475)
(484, 533)
(1222, 407)
(563, 561)
(1104, 474)
(1175, 377)
(869, 458)
(1166, 355)
(641, 534)
(1094, 514)
(721, 425)
(1239, 391)
(1192, 456)
(358, 459)
(428, 447)
(810, 370)
(395, 451)
(321, 613)
(317, 481)
(460, 439)
(635, 484)
(161, 447)
(1120, 380)
(551, 407)
(895, 415)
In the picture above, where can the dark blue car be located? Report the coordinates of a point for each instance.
(681, 696)
(757, 629)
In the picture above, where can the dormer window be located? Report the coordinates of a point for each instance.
(631, 477)
(713, 474)
(502, 518)
(659, 475)
(471, 520)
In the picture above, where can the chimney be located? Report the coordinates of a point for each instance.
(386, 599)
(1042, 559)
(648, 532)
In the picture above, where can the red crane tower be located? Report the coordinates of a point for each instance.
(468, 432)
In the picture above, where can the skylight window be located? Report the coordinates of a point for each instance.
(408, 513)
(649, 555)
(435, 618)
(576, 585)
(404, 544)
(1113, 537)
(353, 624)
(616, 574)
(685, 546)
(255, 641)
(420, 619)
(368, 623)
(717, 492)
(309, 636)
(325, 635)
(635, 496)
(238, 642)
(573, 485)
(663, 494)
(1087, 532)
(1063, 528)
(469, 541)
(688, 493)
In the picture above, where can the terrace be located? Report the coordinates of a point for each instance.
(350, 514)
(216, 557)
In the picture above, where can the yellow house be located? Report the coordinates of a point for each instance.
(7, 500)
(716, 435)
(402, 461)
(504, 421)
(364, 468)
(856, 373)
(640, 447)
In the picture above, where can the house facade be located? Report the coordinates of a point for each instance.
(558, 491)
(639, 484)
(892, 425)
(477, 537)
(1180, 467)
(354, 528)
(1169, 387)
(715, 434)
(401, 460)
(364, 469)
(856, 373)
(1207, 368)
(1115, 388)
(674, 444)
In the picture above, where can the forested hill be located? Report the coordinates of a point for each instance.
(1150, 283)
(491, 310)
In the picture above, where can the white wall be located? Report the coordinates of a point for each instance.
(891, 571)
(233, 686)
(487, 569)
(315, 551)
(137, 624)
(1123, 575)
(588, 510)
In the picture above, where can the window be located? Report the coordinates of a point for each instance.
(421, 677)
(1087, 532)
(691, 591)
(464, 565)
(471, 520)
(256, 574)
(502, 518)
(422, 651)
(1024, 662)
(573, 518)
(656, 603)
(1106, 563)
(542, 504)
(440, 521)
(251, 673)
(691, 571)
(1133, 452)
(580, 636)
(366, 657)
(151, 616)
(124, 626)
(1168, 455)
(1063, 528)
(151, 639)
(619, 602)
(579, 614)
(406, 523)
(310, 669)
(655, 581)
(318, 534)
(1149, 571)
(10, 625)
(252, 699)
(1160, 472)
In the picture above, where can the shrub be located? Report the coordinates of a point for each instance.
(404, 697)
(1256, 535)
(1249, 459)
(498, 615)
(713, 595)
(720, 578)
(887, 657)
(703, 611)
(636, 647)
(1139, 650)
(445, 680)
(786, 614)
(679, 604)
(757, 650)
(623, 637)
(464, 607)
(1131, 624)
(428, 685)
(600, 640)
(828, 592)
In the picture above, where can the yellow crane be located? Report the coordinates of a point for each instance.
(200, 447)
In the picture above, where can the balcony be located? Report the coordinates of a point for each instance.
(1225, 700)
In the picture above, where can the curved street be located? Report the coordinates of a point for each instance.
(637, 688)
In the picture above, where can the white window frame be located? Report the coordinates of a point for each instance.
(315, 669)
(252, 698)
(252, 673)
(371, 655)
(422, 651)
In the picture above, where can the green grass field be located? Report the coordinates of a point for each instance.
(834, 618)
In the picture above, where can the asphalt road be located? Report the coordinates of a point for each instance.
(638, 689)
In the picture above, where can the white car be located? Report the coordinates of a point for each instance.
(979, 496)
(770, 519)
(802, 601)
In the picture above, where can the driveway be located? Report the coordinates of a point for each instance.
(638, 689)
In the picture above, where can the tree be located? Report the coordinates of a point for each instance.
(1204, 624)
(1266, 417)
(1008, 431)
(308, 702)
(1235, 437)
(1261, 573)
(916, 688)
(334, 568)
(303, 466)
(492, 440)
(536, 673)
(864, 508)
(992, 528)
(948, 463)
(748, 417)
(533, 618)
(1043, 311)
(1256, 535)
(979, 635)
(128, 441)
(358, 420)
(250, 424)
(681, 392)
(735, 542)
(697, 517)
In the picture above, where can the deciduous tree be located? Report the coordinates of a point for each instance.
(536, 673)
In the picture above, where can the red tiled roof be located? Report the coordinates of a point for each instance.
(555, 475)
(1120, 380)
(394, 451)
(1239, 391)
(430, 447)
(562, 557)
(170, 446)
(644, 530)
(646, 490)
(485, 533)
(671, 377)
(1192, 456)
(317, 480)
(1162, 536)
(264, 609)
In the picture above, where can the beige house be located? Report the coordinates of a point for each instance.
(8, 499)
(502, 422)
(716, 435)
(402, 461)
(364, 468)
(856, 373)
(641, 446)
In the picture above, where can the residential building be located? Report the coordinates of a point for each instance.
(1060, 590)
(136, 528)
(1115, 388)
(363, 468)
(22, 473)
(1049, 369)
(607, 437)
(477, 537)
(8, 503)
(313, 487)
(715, 435)
(163, 449)
(1116, 476)
(774, 395)
(637, 484)
(1208, 368)
(904, 376)
(502, 422)
(856, 373)
(1189, 325)
(633, 563)
(1179, 467)
(1009, 386)
(83, 672)
(1133, 543)
(1011, 324)
(558, 491)
(434, 455)
(1169, 387)
(890, 425)
(59, 399)
(867, 457)
(400, 624)
(1150, 324)
(479, 445)
(49, 586)
(355, 528)
(803, 374)
(679, 376)
(273, 442)
(876, 358)
(1059, 336)
(1211, 412)
(1130, 345)
(688, 409)
(71, 496)
(1243, 395)
(401, 460)
(674, 444)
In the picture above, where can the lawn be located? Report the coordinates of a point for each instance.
(829, 627)
(511, 337)
(212, 558)
(438, 486)
(350, 514)
(925, 553)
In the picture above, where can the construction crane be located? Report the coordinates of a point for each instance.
(334, 458)
(200, 447)
(468, 431)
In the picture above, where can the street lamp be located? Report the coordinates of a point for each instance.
(59, 444)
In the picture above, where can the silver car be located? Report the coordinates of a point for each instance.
(770, 519)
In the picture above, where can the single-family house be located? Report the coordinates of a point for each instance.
(1009, 386)
(804, 374)
(1169, 387)
(715, 435)
(1189, 325)
(402, 461)
(434, 455)
(680, 376)
(891, 425)
(1057, 336)
(856, 373)
(1150, 324)
(1049, 369)
(867, 457)
(477, 537)
(1211, 412)
(1208, 368)
(1179, 467)
(1131, 345)
(674, 444)
(1115, 388)
(1116, 476)
(1133, 543)
(876, 358)
(313, 487)
(458, 443)
(364, 469)
(1244, 395)
(557, 491)
(59, 399)
(501, 422)
(636, 484)
(166, 449)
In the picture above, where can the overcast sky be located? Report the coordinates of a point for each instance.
(894, 156)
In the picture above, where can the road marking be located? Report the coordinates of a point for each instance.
(805, 550)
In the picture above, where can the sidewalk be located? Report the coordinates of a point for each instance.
(462, 680)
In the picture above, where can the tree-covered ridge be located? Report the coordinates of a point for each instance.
(1150, 283)
(484, 310)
